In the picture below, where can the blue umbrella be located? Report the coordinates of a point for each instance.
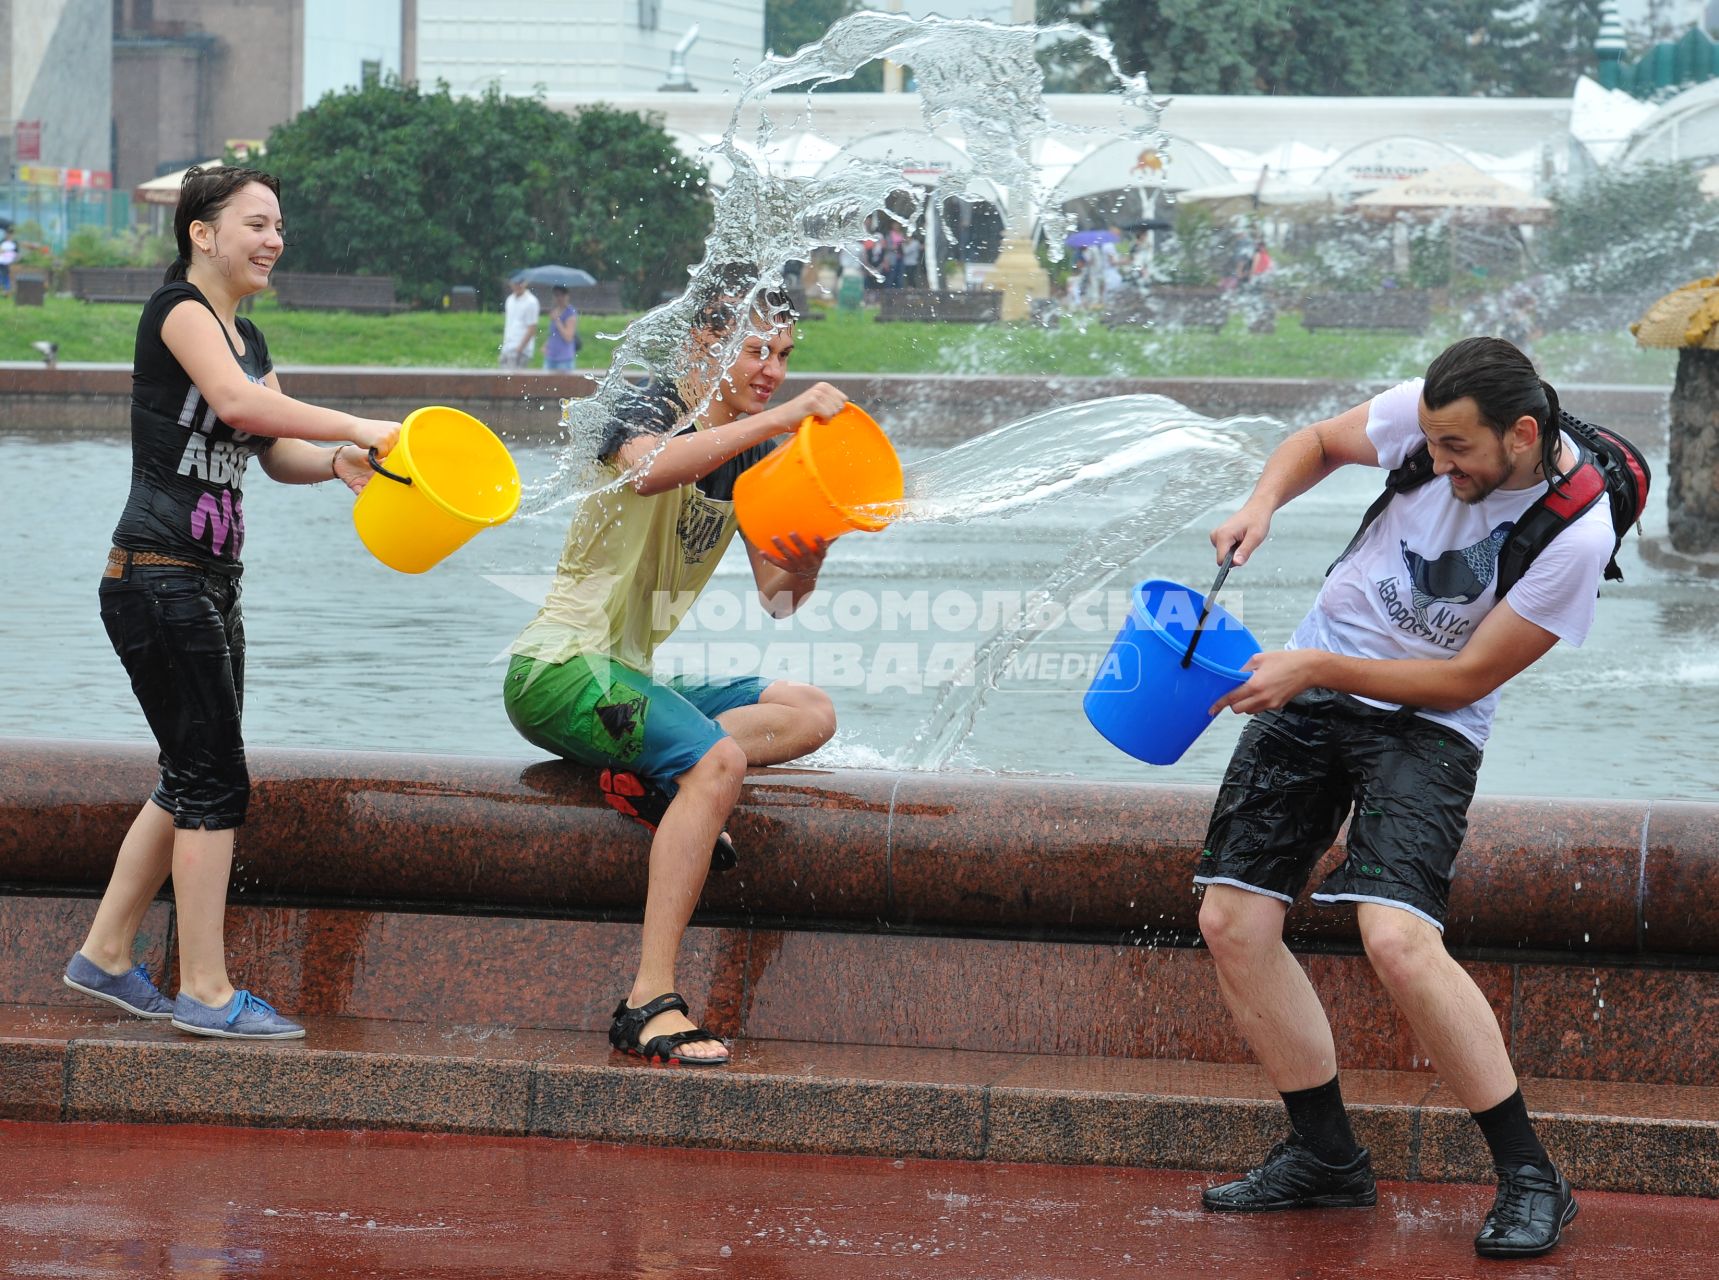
(555, 275)
(1081, 239)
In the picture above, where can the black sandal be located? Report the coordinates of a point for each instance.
(627, 793)
(629, 1024)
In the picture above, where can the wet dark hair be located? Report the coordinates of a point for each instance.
(1504, 387)
(202, 196)
(721, 296)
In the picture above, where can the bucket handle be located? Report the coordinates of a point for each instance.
(1206, 607)
(377, 467)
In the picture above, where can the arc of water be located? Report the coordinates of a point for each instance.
(978, 77)
(1205, 468)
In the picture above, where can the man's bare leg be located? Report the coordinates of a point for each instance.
(680, 861)
(1449, 1015)
(788, 721)
(1267, 991)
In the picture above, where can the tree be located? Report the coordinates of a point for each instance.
(437, 191)
(790, 24)
(1354, 47)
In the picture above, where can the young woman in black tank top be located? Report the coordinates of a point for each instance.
(205, 401)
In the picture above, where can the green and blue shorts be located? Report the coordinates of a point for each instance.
(597, 711)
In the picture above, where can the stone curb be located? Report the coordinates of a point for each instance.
(826, 1099)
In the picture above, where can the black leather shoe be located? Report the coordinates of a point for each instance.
(1530, 1213)
(1292, 1177)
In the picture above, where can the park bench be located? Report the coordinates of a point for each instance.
(306, 291)
(977, 306)
(1408, 310)
(115, 284)
(1168, 307)
(1592, 311)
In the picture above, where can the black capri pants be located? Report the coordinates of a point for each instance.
(179, 633)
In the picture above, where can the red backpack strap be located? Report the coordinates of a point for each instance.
(1553, 512)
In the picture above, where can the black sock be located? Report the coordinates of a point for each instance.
(1318, 1118)
(1510, 1135)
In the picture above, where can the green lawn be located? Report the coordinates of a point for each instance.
(853, 342)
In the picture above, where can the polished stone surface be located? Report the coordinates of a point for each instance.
(1680, 888)
(88, 1201)
(951, 852)
(1579, 1021)
(1549, 874)
(1615, 1023)
(38, 935)
(920, 409)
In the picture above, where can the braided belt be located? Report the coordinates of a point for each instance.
(119, 560)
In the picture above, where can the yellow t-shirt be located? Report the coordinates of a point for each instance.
(633, 565)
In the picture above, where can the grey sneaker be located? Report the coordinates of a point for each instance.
(132, 991)
(244, 1017)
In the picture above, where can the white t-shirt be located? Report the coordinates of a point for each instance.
(520, 311)
(1422, 578)
(8, 251)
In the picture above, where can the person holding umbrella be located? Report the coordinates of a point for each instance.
(563, 342)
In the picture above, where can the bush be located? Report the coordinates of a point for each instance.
(94, 247)
(439, 191)
(1197, 249)
(1645, 227)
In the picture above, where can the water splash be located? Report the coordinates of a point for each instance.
(1182, 464)
(1080, 448)
(975, 79)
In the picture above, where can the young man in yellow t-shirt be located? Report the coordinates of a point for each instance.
(674, 752)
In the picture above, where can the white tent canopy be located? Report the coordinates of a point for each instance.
(1119, 165)
(1685, 128)
(1382, 161)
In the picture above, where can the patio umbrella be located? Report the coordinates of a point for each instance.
(1458, 189)
(1081, 239)
(569, 276)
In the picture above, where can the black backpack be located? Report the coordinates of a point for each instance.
(1608, 465)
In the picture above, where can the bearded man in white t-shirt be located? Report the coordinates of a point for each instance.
(1377, 711)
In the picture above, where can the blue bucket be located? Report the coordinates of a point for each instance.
(1142, 699)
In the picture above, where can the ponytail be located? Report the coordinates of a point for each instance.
(176, 270)
(1551, 437)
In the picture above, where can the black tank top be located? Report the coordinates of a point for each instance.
(187, 466)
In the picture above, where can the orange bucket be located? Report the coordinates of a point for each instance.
(831, 478)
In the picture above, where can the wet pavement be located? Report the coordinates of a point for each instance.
(94, 1201)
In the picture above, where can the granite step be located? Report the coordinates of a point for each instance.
(815, 1098)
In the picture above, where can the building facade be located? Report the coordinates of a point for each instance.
(572, 47)
(55, 85)
(191, 77)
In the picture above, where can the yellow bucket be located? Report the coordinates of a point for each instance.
(448, 477)
(830, 478)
